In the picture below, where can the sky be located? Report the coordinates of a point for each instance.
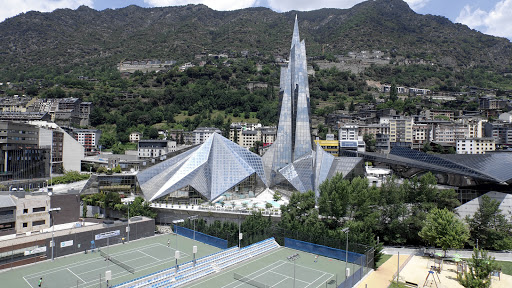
(492, 17)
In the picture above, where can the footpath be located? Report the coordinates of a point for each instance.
(381, 278)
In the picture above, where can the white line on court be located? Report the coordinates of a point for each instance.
(76, 275)
(309, 283)
(123, 273)
(149, 255)
(316, 280)
(232, 268)
(266, 267)
(27, 282)
(52, 270)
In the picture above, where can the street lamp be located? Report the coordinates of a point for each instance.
(128, 227)
(239, 232)
(346, 230)
(193, 218)
(53, 224)
(293, 258)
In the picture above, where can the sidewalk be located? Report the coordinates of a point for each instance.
(382, 277)
(500, 256)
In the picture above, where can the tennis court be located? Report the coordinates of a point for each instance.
(275, 270)
(144, 256)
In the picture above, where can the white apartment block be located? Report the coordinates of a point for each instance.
(420, 134)
(135, 137)
(475, 145)
(248, 134)
(348, 132)
(155, 148)
(202, 133)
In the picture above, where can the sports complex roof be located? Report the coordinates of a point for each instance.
(491, 167)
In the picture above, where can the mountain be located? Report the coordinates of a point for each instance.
(85, 37)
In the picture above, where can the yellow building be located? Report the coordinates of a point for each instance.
(330, 146)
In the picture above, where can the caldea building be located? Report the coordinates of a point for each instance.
(221, 169)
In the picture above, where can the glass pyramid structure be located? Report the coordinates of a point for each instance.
(291, 160)
(211, 169)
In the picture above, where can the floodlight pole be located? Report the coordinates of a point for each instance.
(128, 227)
(53, 224)
(346, 230)
(293, 258)
(239, 239)
(193, 218)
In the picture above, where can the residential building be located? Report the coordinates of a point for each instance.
(420, 134)
(155, 148)
(135, 137)
(475, 145)
(400, 131)
(347, 132)
(89, 138)
(491, 103)
(200, 134)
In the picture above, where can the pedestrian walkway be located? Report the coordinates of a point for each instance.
(382, 277)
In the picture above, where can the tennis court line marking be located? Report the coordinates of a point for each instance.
(124, 273)
(253, 278)
(231, 269)
(27, 282)
(149, 255)
(83, 262)
(271, 271)
(76, 275)
(317, 280)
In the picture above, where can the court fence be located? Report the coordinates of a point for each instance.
(201, 237)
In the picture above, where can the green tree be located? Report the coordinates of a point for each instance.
(480, 267)
(489, 226)
(334, 197)
(393, 93)
(370, 142)
(140, 207)
(443, 229)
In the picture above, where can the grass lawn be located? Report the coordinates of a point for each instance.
(506, 267)
(382, 259)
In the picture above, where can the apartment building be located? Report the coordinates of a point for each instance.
(347, 131)
(200, 135)
(420, 135)
(400, 131)
(155, 148)
(475, 145)
(89, 138)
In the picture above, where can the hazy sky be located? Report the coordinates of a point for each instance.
(488, 16)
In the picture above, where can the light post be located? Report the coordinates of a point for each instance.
(293, 258)
(239, 232)
(346, 230)
(128, 227)
(193, 218)
(53, 224)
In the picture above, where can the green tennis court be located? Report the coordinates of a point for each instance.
(88, 270)
(274, 270)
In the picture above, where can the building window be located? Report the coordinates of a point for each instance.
(25, 211)
(39, 209)
(25, 225)
(38, 223)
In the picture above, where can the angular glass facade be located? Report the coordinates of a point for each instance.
(291, 159)
(210, 169)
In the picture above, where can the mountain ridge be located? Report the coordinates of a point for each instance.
(85, 36)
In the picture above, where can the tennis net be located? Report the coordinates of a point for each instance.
(117, 262)
(249, 281)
